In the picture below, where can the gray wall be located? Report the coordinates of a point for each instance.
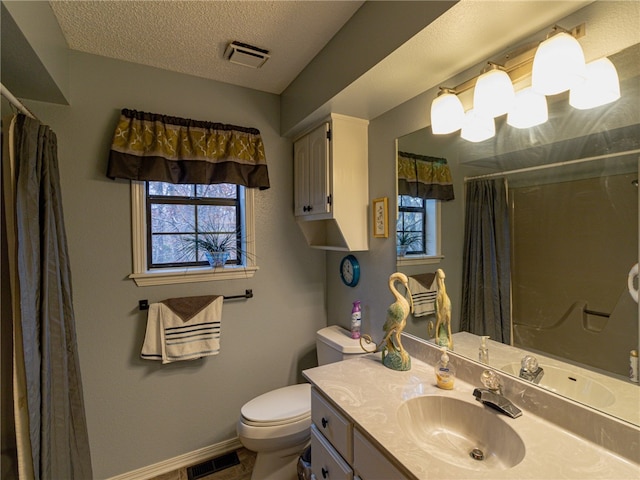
(139, 412)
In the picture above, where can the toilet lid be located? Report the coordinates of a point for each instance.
(281, 405)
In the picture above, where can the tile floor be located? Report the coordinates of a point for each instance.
(236, 472)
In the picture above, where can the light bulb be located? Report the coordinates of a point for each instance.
(477, 128)
(447, 113)
(529, 109)
(601, 87)
(558, 65)
(493, 94)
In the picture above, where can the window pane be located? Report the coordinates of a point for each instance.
(220, 190)
(216, 218)
(407, 201)
(167, 218)
(170, 249)
(170, 189)
(183, 229)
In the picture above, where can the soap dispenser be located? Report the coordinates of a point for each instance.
(445, 373)
(483, 351)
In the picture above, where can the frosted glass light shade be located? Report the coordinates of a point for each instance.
(601, 87)
(493, 94)
(558, 65)
(529, 109)
(477, 128)
(447, 114)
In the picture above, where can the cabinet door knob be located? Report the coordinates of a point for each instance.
(325, 422)
(325, 472)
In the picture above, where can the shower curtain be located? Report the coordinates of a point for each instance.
(51, 427)
(486, 274)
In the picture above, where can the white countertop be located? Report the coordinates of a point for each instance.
(370, 394)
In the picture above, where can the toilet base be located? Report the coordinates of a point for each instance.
(278, 465)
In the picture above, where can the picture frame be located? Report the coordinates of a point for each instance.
(380, 212)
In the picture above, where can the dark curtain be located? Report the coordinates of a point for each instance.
(55, 406)
(154, 147)
(486, 303)
(425, 177)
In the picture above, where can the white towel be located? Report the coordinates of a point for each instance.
(169, 337)
(424, 290)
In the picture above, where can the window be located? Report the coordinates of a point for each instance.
(417, 229)
(170, 223)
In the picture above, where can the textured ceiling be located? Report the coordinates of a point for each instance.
(191, 36)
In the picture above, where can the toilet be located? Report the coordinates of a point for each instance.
(276, 425)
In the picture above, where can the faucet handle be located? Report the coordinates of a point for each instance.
(529, 363)
(490, 380)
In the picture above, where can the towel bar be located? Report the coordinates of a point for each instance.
(144, 304)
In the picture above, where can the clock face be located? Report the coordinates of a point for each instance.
(350, 271)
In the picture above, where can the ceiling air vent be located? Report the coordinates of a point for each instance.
(247, 55)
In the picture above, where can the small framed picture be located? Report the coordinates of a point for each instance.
(380, 217)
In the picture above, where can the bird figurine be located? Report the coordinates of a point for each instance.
(443, 336)
(394, 356)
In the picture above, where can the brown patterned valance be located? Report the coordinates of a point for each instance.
(153, 147)
(424, 177)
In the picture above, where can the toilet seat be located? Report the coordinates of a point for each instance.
(278, 407)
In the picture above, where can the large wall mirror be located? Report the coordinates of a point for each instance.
(572, 227)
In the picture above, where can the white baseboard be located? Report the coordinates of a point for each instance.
(181, 461)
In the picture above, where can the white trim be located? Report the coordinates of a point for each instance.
(181, 461)
(193, 274)
(418, 260)
(144, 277)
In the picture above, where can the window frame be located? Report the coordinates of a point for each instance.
(145, 276)
(423, 259)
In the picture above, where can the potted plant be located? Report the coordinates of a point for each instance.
(404, 240)
(216, 244)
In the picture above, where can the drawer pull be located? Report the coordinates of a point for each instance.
(325, 472)
(325, 422)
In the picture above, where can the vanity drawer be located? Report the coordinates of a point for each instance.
(332, 424)
(370, 463)
(326, 463)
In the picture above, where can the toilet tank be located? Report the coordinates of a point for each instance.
(335, 344)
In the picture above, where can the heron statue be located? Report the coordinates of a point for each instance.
(443, 313)
(394, 355)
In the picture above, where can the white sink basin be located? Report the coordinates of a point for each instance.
(570, 384)
(450, 429)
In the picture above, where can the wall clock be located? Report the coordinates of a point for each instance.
(350, 271)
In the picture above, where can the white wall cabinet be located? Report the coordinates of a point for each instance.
(339, 451)
(331, 184)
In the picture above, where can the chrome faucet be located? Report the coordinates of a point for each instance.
(492, 395)
(530, 370)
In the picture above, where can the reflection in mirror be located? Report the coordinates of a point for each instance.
(568, 235)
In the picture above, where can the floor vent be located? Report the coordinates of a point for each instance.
(212, 466)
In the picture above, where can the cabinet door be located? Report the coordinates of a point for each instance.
(332, 424)
(301, 164)
(326, 463)
(370, 463)
(319, 174)
(312, 183)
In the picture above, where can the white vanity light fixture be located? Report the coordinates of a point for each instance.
(447, 113)
(552, 66)
(493, 94)
(601, 87)
(558, 64)
(529, 109)
(477, 127)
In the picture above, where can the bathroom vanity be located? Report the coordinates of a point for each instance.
(370, 422)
